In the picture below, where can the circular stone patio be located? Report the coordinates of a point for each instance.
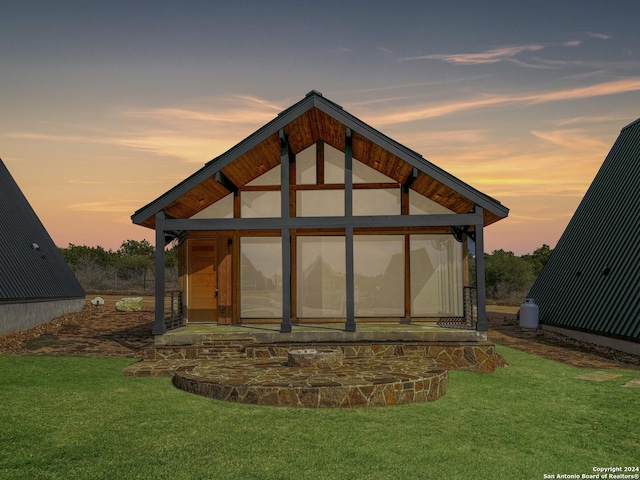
(364, 382)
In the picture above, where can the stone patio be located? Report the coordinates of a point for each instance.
(381, 364)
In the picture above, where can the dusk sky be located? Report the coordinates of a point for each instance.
(105, 105)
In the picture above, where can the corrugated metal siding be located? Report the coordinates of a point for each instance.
(592, 280)
(27, 273)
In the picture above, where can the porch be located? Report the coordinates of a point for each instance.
(381, 364)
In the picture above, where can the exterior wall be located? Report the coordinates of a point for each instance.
(615, 343)
(15, 317)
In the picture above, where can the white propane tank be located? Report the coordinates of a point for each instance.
(529, 314)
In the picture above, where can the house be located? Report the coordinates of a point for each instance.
(36, 284)
(590, 288)
(319, 218)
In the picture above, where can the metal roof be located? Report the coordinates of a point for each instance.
(31, 266)
(592, 280)
(316, 100)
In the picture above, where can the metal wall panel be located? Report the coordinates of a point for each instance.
(31, 267)
(592, 280)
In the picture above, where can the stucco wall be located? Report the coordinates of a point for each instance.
(21, 316)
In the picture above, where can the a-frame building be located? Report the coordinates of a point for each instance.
(590, 288)
(318, 217)
(36, 284)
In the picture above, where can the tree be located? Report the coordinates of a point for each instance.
(135, 248)
(135, 259)
(539, 258)
(506, 274)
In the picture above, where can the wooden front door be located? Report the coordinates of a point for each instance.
(202, 286)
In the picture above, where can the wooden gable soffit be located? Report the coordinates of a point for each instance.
(305, 123)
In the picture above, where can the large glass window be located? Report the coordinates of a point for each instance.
(333, 165)
(321, 277)
(379, 201)
(261, 277)
(436, 276)
(320, 203)
(271, 177)
(379, 275)
(262, 204)
(421, 205)
(306, 166)
(223, 208)
(365, 174)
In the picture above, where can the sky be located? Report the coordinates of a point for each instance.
(106, 105)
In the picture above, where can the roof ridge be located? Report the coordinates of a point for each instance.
(630, 125)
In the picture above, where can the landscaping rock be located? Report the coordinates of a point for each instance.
(131, 304)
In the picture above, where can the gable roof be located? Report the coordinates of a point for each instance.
(31, 264)
(592, 280)
(311, 119)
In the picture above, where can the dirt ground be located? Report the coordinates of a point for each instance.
(104, 332)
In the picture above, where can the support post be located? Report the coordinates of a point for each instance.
(483, 323)
(158, 325)
(285, 326)
(350, 324)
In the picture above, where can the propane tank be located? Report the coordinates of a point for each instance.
(529, 314)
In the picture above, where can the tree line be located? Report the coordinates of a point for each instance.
(508, 278)
(130, 269)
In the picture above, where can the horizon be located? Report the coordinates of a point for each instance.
(107, 106)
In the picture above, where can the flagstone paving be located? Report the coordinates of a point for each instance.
(597, 376)
(635, 383)
(357, 383)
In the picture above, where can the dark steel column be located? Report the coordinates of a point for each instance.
(285, 326)
(350, 324)
(483, 323)
(158, 326)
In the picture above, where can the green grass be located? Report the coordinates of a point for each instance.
(65, 417)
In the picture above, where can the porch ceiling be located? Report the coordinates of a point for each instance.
(304, 130)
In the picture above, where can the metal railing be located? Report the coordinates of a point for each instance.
(175, 318)
(469, 320)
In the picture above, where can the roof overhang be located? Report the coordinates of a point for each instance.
(315, 118)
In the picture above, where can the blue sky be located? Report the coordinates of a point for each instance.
(106, 105)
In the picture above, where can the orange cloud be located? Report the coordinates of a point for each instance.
(422, 112)
(490, 56)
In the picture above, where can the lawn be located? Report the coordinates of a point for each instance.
(71, 417)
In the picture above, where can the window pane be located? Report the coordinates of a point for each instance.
(260, 204)
(421, 205)
(379, 275)
(376, 201)
(261, 277)
(333, 165)
(365, 174)
(223, 208)
(320, 203)
(306, 166)
(321, 277)
(271, 177)
(436, 276)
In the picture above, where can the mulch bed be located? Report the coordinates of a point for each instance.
(504, 329)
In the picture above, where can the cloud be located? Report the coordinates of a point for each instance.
(592, 119)
(490, 56)
(45, 137)
(385, 50)
(103, 207)
(599, 36)
(571, 138)
(421, 112)
(572, 43)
